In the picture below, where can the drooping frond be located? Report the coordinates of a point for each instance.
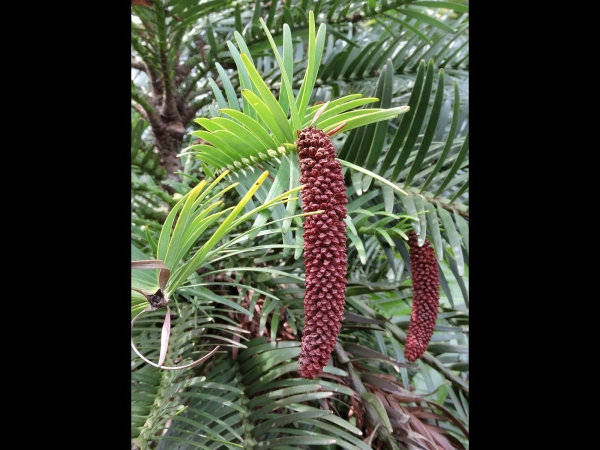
(258, 401)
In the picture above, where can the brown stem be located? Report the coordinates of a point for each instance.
(169, 108)
(138, 64)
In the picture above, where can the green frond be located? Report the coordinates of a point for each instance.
(248, 76)
(271, 126)
(271, 404)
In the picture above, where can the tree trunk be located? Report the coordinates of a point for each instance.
(169, 141)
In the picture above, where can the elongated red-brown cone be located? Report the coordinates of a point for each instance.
(324, 248)
(426, 297)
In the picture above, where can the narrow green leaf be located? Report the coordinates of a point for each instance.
(429, 131)
(207, 294)
(268, 306)
(458, 277)
(359, 118)
(211, 39)
(288, 418)
(453, 238)
(315, 51)
(408, 26)
(180, 226)
(427, 19)
(350, 151)
(374, 401)
(456, 165)
(232, 98)
(294, 181)
(286, 78)
(197, 227)
(450, 140)
(332, 111)
(351, 442)
(337, 34)
(270, 120)
(238, 18)
(417, 122)
(272, 14)
(457, 404)
(299, 241)
(242, 133)
(244, 78)
(420, 207)
(207, 170)
(253, 126)
(460, 192)
(165, 233)
(287, 16)
(180, 275)
(279, 185)
(388, 198)
(371, 174)
(357, 182)
(386, 236)
(269, 99)
(360, 248)
(313, 439)
(459, 7)
(409, 205)
(212, 155)
(405, 122)
(366, 50)
(311, 110)
(257, 12)
(447, 348)
(275, 322)
(367, 62)
(463, 228)
(384, 92)
(434, 229)
(273, 395)
(224, 147)
(255, 415)
(261, 269)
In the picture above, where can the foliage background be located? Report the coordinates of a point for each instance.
(237, 279)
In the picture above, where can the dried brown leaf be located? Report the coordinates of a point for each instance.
(424, 435)
(391, 386)
(351, 317)
(320, 111)
(142, 2)
(449, 416)
(364, 352)
(164, 337)
(148, 264)
(167, 319)
(438, 437)
(163, 277)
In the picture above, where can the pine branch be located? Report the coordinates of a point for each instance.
(460, 208)
(138, 64)
(191, 84)
(147, 111)
(195, 106)
(148, 62)
(141, 111)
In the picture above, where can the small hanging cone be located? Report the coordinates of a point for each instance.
(426, 297)
(324, 248)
